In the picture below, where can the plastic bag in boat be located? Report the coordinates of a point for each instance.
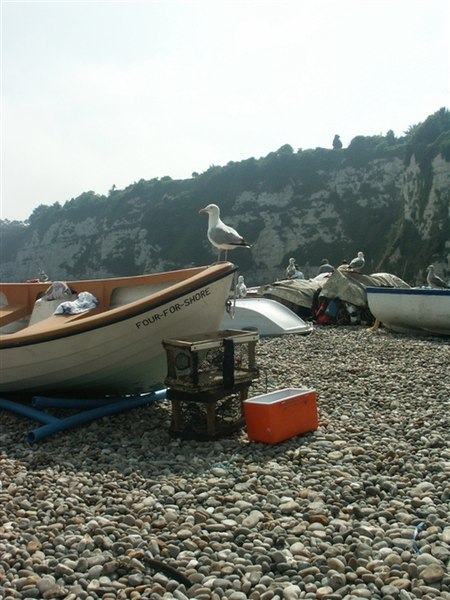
(85, 301)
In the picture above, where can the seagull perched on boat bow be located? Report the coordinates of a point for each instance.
(434, 281)
(357, 263)
(220, 235)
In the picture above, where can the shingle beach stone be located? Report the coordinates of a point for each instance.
(359, 508)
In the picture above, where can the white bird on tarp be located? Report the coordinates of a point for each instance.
(220, 235)
(434, 281)
(291, 269)
(357, 263)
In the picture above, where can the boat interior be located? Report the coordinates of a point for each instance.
(21, 307)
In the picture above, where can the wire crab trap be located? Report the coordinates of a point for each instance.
(208, 379)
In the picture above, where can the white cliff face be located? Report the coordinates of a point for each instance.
(268, 249)
(376, 181)
(417, 210)
(428, 211)
(440, 185)
(423, 213)
(65, 244)
(290, 220)
(266, 199)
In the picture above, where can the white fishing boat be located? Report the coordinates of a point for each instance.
(113, 348)
(411, 310)
(267, 317)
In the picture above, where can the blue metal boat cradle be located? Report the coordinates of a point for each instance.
(93, 409)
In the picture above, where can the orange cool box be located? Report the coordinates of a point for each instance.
(280, 415)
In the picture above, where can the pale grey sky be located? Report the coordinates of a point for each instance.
(102, 93)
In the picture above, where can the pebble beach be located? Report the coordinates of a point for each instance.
(359, 508)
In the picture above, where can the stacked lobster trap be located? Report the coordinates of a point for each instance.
(208, 378)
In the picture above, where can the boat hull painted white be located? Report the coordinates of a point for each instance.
(267, 317)
(125, 356)
(411, 310)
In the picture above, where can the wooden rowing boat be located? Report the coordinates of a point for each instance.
(114, 348)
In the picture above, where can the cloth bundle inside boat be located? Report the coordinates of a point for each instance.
(57, 291)
(85, 301)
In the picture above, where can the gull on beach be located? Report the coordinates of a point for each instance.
(357, 263)
(434, 281)
(220, 235)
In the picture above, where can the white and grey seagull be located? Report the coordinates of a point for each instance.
(291, 269)
(220, 235)
(357, 263)
(434, 281)
(241, 288)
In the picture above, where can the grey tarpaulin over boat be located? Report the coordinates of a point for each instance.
(296, 292)
(350, 286)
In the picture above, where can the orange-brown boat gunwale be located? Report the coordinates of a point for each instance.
(69, 325)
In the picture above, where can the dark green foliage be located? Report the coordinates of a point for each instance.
(13, 235)
(363, 149)
(407, 240)
(82, 207)
(423, 138)
(442, 145)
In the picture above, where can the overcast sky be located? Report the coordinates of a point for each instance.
(96, 94)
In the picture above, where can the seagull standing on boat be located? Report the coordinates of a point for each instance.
(241, 288)
(292, 270)
(434, 281)
(220, 235)
(357, 263)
